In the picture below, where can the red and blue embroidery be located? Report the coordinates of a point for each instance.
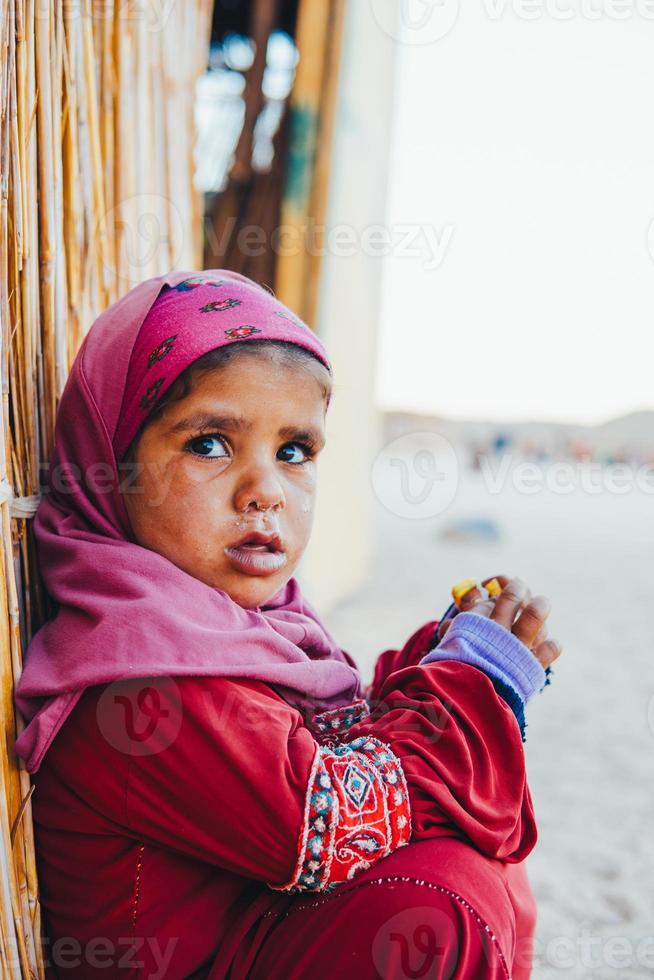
(160, 352)
(151, 394)
(336, 721)
(186, 285)
(239, 333)
(357, 811)
(219, 305)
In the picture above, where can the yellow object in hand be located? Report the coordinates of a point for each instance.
(462, 589)
(493, 588)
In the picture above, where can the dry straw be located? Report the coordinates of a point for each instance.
(96, 193)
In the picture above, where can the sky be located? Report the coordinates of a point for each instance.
(522, 189)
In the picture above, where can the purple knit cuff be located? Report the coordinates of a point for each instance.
(486, 644)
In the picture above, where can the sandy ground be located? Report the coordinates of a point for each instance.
(590, 744)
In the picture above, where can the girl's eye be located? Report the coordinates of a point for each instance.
(209, 447)
(293, 452)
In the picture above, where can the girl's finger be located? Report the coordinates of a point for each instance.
(509, 601)
(543, 634)
(443, 628)
(548, 651)
(469, 599)
(502, 579)
(531, 619)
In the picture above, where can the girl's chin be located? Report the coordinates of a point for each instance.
(255, 591)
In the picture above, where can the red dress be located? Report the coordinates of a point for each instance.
(165, 838)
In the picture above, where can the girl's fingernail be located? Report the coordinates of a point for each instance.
(518, 588)
(542, 604)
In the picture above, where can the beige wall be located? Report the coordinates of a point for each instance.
(348, 311)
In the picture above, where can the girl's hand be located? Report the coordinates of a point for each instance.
(517, 611)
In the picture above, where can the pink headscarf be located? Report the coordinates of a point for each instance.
(123, 610)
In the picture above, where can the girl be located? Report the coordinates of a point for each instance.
(215, 793)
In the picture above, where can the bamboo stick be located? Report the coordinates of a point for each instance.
(73, 150)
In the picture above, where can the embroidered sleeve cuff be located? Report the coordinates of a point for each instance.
(356, 811)
(484, 643)
(337, 721)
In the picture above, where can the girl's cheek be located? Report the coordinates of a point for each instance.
(303, 490)
(304, 510)
(195, 472)
(307, 503)
(162, 485)
(306, 478)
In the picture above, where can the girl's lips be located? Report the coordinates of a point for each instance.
(256, 559)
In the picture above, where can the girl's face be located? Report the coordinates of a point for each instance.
(225, 478)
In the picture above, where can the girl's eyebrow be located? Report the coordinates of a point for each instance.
(308, 434)
(206, 420)
(235, 423)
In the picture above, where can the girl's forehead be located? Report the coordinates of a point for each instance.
(249, 388)
(195, 316)
(246, 375)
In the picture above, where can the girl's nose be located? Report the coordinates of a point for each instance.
(259, 489)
